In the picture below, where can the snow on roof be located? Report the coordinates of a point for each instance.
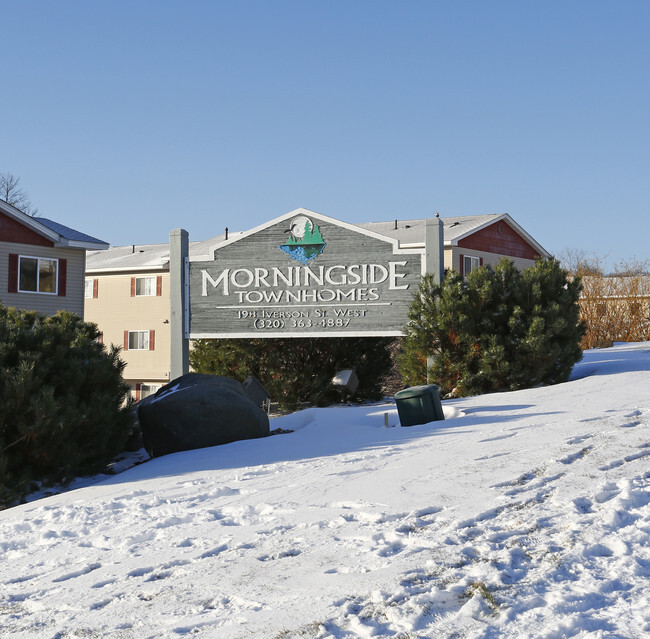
(135, 257)
(146, 256)
(412, 231)
(408, 232)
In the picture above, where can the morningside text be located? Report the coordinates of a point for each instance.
(310, 285)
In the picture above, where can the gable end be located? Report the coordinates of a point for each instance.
(15, 232)
(502, 239)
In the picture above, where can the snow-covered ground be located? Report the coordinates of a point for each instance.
(527, 514)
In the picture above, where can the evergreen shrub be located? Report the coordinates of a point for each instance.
(62, 401)
(297, 371)
(498, 329)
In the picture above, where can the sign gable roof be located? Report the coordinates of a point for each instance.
(354, 228)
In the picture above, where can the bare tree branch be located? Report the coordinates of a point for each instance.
(615, 305)
(12, 193)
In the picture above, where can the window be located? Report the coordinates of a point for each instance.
(145, 286)
(144, 390)
(138, 340)
(470, 263)
(148, 286)
(37, 275)
(29, 274)
(148, 389)
(91, 287)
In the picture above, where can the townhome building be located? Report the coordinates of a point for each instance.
(127, 296)
(128, 287)
(470, 241)
(42, 263)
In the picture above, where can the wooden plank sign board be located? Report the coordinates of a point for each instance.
(304, 275)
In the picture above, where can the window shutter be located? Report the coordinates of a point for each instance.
(462, 264)
(13, 273)
(100, 338)
(133, 287)
(159, 285)
(138, 390)
(126, 340)
(95, 288)
(152, 340)
(63, 276)
(481, 261)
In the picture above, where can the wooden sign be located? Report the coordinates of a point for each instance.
(304, 275)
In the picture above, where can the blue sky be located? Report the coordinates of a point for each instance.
(126, 120)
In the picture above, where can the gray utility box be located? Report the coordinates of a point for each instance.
(346, 381)
(419, 405)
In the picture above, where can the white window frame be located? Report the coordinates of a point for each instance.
(87, 281)
(142, 341)
(474, 263)
(151, 389)
(38, 274)
(150, 282)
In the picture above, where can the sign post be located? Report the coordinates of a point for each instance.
(434, 245)
(178, 301)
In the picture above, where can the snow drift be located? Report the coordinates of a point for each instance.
(527, 515)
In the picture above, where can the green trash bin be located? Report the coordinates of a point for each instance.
(419, 405)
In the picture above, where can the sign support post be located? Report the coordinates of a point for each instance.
(434, 246)
(434, 260)
(178, 303)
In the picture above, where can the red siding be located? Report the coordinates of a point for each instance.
(12, 231)
(500, 238)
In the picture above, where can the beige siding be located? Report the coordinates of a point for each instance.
(448, 259)
(452, 258)
(73, 301)
(115, 311)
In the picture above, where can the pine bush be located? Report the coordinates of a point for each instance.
(62, 406)
(498, 329)
(298, 371)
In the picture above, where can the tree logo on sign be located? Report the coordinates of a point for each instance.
(305, 241)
